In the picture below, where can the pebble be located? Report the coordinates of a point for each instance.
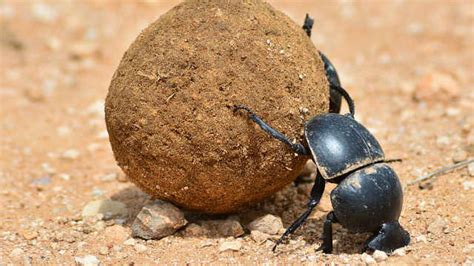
(459, 156)
(158, 220)
(259, 237)
(468, 185)
(42, 181)
(194, 230)
(470, 169)
(233, 245)
(421, 238)
(109, 177)
(379, 256)
(29, 235)
(103, 250)
(70, 154)
(87, 260)
(268, 224)
(468, 249)
(400, 252)
(437, 86)
(230, 228)
(44, 12)
(129, 242)
(108, 208)
(368, 259)
(140, 248)
(437, 226)
(16, 252)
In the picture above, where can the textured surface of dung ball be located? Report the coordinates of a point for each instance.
(169, 115)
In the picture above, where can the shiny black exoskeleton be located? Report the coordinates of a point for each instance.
(369, 195)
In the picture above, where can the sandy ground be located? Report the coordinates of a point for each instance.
(408, 64)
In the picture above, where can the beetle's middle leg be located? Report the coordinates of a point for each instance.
(296, 147)
(316, 194)
(326, 246)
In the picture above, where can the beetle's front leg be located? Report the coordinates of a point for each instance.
(296, 147)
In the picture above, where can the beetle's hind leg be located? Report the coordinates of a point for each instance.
(296, 147)
(390, 237)
(326, 246)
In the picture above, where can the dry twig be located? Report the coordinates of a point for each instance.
(440, 171)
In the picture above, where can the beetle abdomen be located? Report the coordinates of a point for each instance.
(367, 198)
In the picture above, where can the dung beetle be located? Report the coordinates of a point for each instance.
(369, 196)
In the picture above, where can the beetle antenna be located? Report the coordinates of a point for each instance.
(348, 98)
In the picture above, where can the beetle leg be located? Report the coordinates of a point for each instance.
(296, 147)
(390, 237)
(326, 246)
(308, 25)
(316, 194)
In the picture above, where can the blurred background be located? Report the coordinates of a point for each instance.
(408, 65)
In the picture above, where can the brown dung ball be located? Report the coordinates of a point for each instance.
(169, 107)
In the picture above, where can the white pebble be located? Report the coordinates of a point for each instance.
(380, 256)
(88, 260)
(468, 185)
(70, 154)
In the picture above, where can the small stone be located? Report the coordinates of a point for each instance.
(379, 256)
(368, 259)
(468, 185)
(437, 226)
(259, 237)
(117, 234)
(421, 238)
(29, 235)
(140, 248)
(158, 220)
(42, 181)
(470, 169)
(109, 177)
(88, 260)
(268, 224)
(437, 86)
(233, 245)
(194, 230)
(103, 250)
(84, 49)
(70, 154)
(468, 249)
(400, 252)
(230, 228)
(129, 242)
(16, 252)
(64, 177)
(443, 140)
(459, 156)
(99, 226)
(108, 208)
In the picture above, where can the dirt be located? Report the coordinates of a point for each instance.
(407, 64)
(170, 113)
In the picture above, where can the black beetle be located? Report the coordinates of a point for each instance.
(369, 195)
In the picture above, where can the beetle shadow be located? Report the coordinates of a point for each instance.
(288, 204)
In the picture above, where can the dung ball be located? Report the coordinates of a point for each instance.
(169, 107)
